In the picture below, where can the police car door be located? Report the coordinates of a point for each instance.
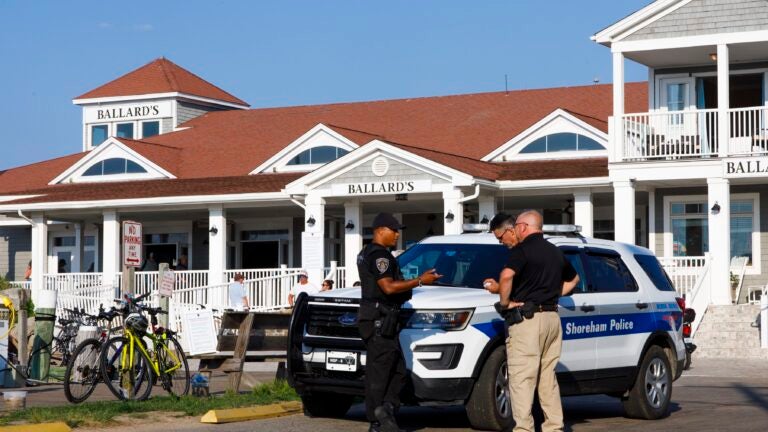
(578, 359)
(621, 315)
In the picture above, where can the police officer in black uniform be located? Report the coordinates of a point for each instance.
(383, 293)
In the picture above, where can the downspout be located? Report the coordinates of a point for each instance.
(21, 215)
(473, 196)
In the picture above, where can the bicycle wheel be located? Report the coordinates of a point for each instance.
(83, 372)
(174, 370)
(127, 379)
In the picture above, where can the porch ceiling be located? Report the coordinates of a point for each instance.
(699, 55)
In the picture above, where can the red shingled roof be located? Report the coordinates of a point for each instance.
(453, 130)
(161, 76)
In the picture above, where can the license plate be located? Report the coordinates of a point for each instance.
(341, 361)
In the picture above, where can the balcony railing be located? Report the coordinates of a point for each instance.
(693, 134)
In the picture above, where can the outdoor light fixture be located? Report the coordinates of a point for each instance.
(713, 56)
(484, 220)
(716, 208)
(311, 220)
(449, 216)
(350, 225)
(213, 230)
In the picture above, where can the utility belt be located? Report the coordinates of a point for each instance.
(387, 320)
(526, 311)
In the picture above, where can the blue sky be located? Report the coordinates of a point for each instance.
(281, 53)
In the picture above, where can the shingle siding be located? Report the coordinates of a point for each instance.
(186, 111)
(701, 17)
(15, 247)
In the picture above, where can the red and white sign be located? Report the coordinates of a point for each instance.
(132, 243)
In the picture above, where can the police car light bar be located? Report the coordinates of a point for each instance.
(561, 229)
(475, 228)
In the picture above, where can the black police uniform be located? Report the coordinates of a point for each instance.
(385, 364)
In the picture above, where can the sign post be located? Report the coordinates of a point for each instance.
(166, 281)
(132, 255)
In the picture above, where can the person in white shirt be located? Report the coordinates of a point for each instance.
(302, 286)
(238, 300)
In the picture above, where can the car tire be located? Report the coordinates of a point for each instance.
(651, 394)
(326, 404)
(687, 364)
(489, 407)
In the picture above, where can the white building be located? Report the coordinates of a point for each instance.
(237, 188)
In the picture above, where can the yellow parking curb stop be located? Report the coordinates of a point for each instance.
(250, 413)
(37, 427)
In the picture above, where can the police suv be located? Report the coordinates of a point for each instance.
(621, 332)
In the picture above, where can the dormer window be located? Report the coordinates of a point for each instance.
(99, 134)
(150, 128)
(125, 130)
(114, 166)
(318, 155)
(559, 142)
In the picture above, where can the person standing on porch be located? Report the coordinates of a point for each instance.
(303, 286)
(238, 300)
(28, 273)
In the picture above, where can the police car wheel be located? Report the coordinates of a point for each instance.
(326, 404)
(489, 407)
(651, 394)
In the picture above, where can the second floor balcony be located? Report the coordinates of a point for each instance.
(692, 134)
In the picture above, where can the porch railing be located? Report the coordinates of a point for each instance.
(20, 284)
(748, 133)
(250, 274)
(684, 272)
(665, 135)
(147, 281)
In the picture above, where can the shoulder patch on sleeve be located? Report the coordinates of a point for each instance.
(382, 264)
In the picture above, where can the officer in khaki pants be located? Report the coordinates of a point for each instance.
(535, 276)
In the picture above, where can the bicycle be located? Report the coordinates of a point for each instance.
(84, 369)
(130, 366)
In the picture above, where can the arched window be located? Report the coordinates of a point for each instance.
(564, 141)
(114, 166)
(318, 155)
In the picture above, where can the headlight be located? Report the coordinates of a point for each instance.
(440, 319)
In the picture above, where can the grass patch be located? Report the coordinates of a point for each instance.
(104, 412)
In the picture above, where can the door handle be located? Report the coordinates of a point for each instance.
(587, 308)
(641, 305)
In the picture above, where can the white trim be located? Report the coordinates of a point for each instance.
(74, 172)
(606, 35)
(368, 152)
(14, 222)
(278, 162)
(755, 267)
(555, 183)
(691, 41)
(110, 99)
(546, 126)
(15, 197)
(150, 202)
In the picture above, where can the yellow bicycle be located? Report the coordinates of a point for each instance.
(130, 367)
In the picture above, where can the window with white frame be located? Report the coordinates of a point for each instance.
(563, 141)
(150, 128)
(318, 155)
(113, 166)
(125, 130)
(690, 228)
(99, 134)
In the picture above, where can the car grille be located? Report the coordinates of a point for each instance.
(325, 321)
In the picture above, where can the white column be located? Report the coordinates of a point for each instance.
(39, 253)
(719, 191)
(652, 219)
(111, 264)
(616, 135)
(451, 204)
(77, 262)
(624, 211)
(583, 211)
(723, 99)
(217, 247)
(353, 240)
(486, 207)
(313, 239)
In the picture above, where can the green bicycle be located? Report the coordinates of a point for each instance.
(130, 367)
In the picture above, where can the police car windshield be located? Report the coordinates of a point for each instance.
(462, 265)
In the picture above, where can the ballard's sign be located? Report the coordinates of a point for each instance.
(382, 187)
(746, 167)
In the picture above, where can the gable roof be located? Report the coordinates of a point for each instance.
(36, 175)
(161, 76)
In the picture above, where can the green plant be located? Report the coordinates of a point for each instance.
(4, 284)
(734, 279)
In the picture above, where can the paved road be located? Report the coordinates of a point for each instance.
(715, 395)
